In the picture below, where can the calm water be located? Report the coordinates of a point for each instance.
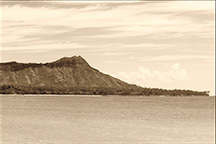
(111, 119)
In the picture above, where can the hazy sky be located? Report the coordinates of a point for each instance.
(153, 44)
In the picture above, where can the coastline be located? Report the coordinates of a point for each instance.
(74, 95)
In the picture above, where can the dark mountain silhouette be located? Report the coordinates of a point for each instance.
(69, 76)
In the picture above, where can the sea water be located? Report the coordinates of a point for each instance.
(106, 119)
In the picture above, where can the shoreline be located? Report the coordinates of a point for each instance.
(74, 95)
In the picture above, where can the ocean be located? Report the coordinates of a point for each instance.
(107, 119)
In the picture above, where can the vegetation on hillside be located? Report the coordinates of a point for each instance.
(17, 89)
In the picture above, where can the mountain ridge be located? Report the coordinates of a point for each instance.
(70, 75)
(65, 61)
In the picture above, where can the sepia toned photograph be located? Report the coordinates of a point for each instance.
(107, 72)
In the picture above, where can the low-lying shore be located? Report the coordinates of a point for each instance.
(79, 95)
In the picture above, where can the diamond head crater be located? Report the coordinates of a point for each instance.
(72, 75)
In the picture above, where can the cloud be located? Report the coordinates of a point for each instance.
(45, 23)
(45, 46)
(127, 27)
(114, 53)
(172, 57)
(145, 75)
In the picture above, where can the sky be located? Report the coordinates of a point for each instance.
(156, 44)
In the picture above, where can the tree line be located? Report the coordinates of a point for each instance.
(17, 89)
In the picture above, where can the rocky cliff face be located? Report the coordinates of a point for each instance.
(66, 72)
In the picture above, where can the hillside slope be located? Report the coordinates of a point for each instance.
(67, 76)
